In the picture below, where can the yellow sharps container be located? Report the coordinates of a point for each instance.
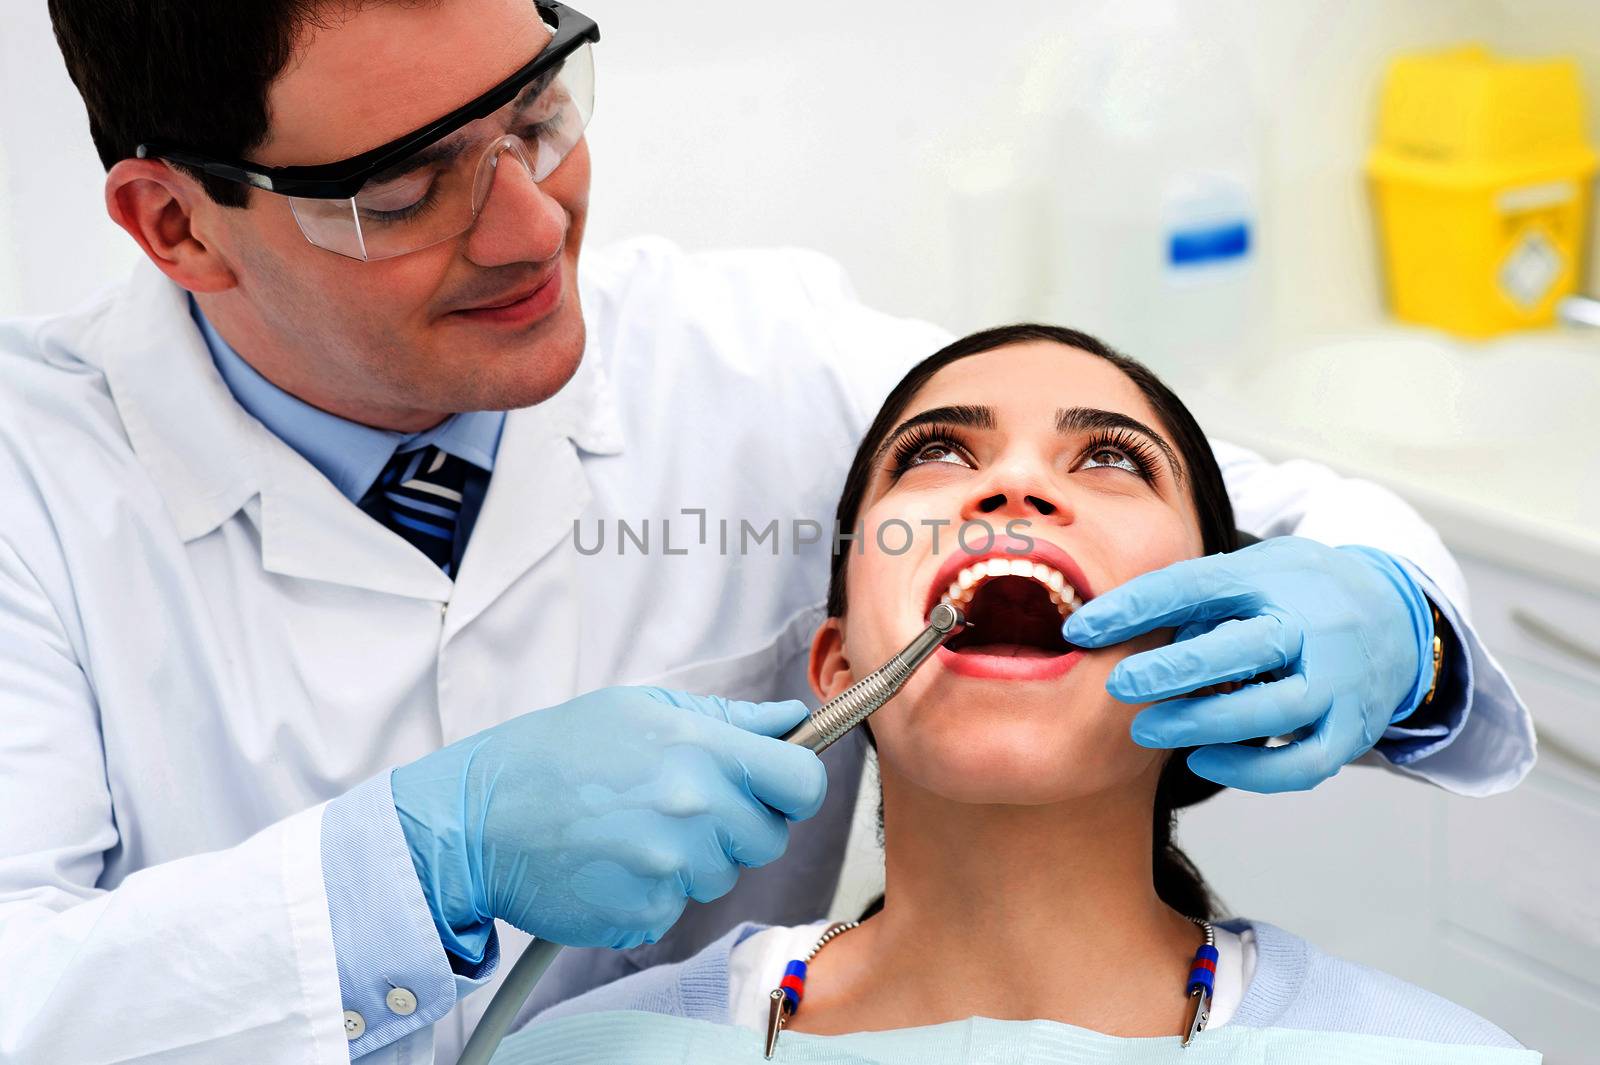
(1481, 178)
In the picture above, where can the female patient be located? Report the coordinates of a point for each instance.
(1030, 874)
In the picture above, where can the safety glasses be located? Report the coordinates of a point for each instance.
(430, 184)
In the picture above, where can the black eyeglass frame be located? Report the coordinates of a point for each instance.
(341, 180)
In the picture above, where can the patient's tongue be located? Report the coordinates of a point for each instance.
(1009, 650)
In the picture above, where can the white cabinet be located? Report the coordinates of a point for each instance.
(1520, 918)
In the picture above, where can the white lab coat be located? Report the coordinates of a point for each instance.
(201, 640)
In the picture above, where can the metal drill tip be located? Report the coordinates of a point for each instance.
(947, 618)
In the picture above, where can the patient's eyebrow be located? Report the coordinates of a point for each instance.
(1093, 419)
(972, 417)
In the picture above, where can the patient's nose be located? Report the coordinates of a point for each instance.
(1027, 502)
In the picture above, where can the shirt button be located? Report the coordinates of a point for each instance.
(401, 1001)
(354, 1024)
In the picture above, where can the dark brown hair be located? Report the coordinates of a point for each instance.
(1177, 881)
(188, 72)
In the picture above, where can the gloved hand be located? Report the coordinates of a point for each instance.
(592, 822)
(1346, 631)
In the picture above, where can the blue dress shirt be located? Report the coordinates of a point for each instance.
(347, 453)
(384, 937)
(1432, 727)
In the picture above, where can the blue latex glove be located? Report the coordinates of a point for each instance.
(592, 822)
(1345, 632)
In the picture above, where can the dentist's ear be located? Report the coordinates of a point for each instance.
(829, 668)
(158, 206)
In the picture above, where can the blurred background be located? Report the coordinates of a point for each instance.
(1333, 256)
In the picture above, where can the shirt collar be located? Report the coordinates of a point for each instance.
(347, 453)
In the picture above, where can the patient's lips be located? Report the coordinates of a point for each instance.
(1015, 604)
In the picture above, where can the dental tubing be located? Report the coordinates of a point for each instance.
(819, 731)
(507, 1001)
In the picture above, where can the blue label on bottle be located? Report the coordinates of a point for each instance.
(1196, 247)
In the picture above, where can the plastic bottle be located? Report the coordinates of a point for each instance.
(1155, 180)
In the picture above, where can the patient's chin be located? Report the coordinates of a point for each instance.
(1012, 762)
(987, 741)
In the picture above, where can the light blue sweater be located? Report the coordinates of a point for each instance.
(1294, 986)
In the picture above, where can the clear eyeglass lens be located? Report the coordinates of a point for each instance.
(441, 198)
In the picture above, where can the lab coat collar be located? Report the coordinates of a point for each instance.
(590, 415)
(209, 458)
(183, 424)
(539, 489)
(347, 453)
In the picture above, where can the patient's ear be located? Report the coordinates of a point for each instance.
(829, 669)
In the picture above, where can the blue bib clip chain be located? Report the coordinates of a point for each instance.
(784, 1000)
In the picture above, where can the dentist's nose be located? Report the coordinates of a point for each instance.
(518, 221)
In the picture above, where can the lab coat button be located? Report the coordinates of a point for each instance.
(401, 1001)
(354, 1024)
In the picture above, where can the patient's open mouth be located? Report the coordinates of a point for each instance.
(1014, 607)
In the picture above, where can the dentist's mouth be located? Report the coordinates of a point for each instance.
(521, 307)
(1015, 607)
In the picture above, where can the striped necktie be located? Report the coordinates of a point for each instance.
(418, 496)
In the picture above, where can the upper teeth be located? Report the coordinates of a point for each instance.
(1062, 593)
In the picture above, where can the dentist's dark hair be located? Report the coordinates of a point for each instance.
(1177, 881)
(187, 72)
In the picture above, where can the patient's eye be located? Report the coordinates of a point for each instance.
(936, 453)
(1110, 456)
(1120, 451)
(926, 445)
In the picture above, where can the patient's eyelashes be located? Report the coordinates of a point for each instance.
(927, 444)
(1120, 449)
(1110, 449)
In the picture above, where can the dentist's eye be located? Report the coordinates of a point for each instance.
(398, 201)
(1120, 450)
(924, 445)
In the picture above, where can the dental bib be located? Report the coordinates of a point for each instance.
(658, 1039)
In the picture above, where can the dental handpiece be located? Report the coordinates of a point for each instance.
(830, 721)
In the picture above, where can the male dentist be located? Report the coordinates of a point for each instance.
(288, 566)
